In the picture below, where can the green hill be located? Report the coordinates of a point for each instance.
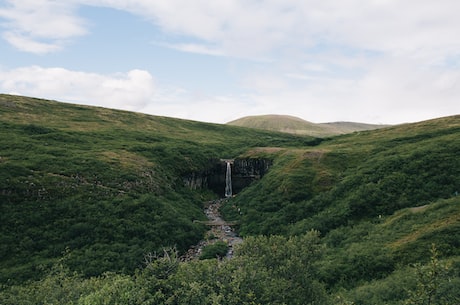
(380, 198)
(86, 192)
(295, 125)
(104, 184)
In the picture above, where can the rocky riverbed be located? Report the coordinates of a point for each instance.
(220, 230)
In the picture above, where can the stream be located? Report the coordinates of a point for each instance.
(220, 230)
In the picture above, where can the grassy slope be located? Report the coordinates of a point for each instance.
(360, 175)
(349, 127)
(294, 125)
(105, 185)
(363, 192)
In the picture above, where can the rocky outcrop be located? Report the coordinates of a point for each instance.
(196, 180)
(244, 172)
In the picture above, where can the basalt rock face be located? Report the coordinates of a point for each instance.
(244, 172)
(204, 178)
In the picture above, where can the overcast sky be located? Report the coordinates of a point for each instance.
(374, 61)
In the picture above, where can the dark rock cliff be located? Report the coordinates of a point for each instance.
(244, 172)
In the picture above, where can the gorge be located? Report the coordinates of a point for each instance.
(243, 172)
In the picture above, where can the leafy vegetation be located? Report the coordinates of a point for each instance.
(379, 199)
(105, 184)
(264, 271)
(354, 177)
(86, 193)
(216, 250)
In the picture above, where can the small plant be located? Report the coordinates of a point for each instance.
(215, 250)
(430, 278)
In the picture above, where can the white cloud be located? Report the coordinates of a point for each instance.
(376, 60)
(239, 28)
(381, 96)
(129, 91)
(28, 44)
(411, 28)
(188, 105)
(134, 90)
(252, 28)
(193, 48)
(40, 26)
(393, 90)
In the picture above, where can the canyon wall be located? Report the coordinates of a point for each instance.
(244, 172)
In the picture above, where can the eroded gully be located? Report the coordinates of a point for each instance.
(220, 230)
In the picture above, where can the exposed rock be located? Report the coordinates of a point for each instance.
(244, 172)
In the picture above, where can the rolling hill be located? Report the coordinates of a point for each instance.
(295, 125)
(106, 185)
(91, 199)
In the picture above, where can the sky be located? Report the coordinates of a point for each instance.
(370, 61)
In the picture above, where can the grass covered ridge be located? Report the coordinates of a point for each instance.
(103, 184)
(295, 125)
(345, 219)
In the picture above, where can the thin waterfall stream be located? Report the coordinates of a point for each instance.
(220, 230)
(228, 179)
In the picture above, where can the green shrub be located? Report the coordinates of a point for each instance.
(216, 250)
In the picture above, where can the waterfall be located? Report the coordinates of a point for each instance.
(228, 180)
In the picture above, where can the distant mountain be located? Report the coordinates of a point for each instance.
(295, 125)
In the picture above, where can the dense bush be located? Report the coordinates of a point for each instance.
(215, 250)
(265, 270)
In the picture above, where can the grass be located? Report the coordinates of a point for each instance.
(106, 186)
(101, 182)
(294, 125)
